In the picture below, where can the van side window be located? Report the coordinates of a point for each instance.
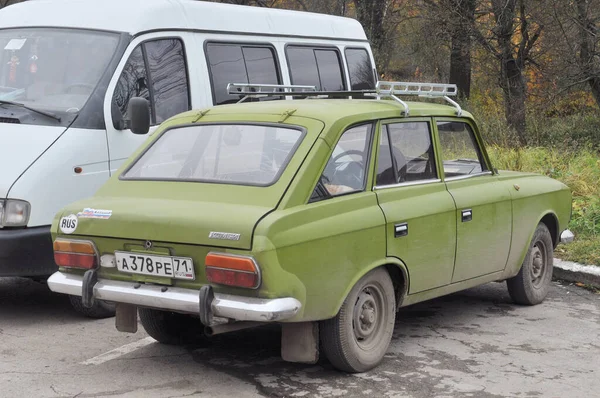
(320, 67)
(236, 63)
(168, 76)
(156, 71)
(360, 69)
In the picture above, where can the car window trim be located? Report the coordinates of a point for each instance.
(467, 176)
(242, 44)
(301, 129)
(407, 184)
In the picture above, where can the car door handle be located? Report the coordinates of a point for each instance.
(467, 215)
(400, 229)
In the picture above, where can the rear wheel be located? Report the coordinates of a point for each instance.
(100, 309)
(358, 337)
(170, 327)
(531, 285)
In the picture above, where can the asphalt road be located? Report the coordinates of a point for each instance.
(471, 344)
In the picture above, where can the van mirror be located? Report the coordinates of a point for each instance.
(139, 115)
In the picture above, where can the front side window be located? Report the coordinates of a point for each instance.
(236, 63)
(52, 70)
(223, 153)
(405, 154)
(460, 152)
(156, 71)
(346, 169)
(360, 69)
(316, 67)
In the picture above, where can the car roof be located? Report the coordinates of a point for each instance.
(138, 16)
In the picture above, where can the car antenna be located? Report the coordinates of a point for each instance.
(201, 115)
(286, 114)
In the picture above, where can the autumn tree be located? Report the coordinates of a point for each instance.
(508, 31)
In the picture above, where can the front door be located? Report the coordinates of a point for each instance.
(483, 205)
(419, 211)
(156, 70)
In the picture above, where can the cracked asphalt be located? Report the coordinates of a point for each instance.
(470, 344)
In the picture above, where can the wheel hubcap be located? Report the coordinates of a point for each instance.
(538, 263)
(367, 319)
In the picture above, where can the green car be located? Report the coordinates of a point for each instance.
(322, 215)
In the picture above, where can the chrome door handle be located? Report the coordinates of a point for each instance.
(400, 229)
(467, 215)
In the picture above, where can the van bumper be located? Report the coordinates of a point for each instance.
(26, 252)
(237, 308)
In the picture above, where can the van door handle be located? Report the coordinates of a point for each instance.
(467, 215)
(400, 229)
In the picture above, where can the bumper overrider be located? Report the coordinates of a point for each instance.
(566, 236)
(203, 302)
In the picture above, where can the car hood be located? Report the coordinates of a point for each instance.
(168, 220)
(21, 146)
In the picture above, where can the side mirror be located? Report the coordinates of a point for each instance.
(139, 115)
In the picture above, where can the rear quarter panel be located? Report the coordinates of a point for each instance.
(533, 197)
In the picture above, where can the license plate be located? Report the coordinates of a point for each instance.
(166, 266)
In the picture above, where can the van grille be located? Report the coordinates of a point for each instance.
(9, 120)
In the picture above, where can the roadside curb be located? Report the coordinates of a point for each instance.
(575, 272)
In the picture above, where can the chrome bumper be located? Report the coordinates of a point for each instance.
(566, 236)
(237, 308)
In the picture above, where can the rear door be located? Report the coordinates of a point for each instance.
(483, 205)
(419, 210)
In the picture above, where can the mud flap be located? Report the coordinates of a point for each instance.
(205, 298)
(126, 318)
(300, 342)
(90, 278)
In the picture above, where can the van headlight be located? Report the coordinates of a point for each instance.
(14, 213)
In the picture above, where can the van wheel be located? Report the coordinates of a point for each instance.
(170, 327)
(531, 285)
(100, 309)
(358, 337)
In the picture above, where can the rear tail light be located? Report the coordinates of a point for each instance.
(75, 254)
(231, 270)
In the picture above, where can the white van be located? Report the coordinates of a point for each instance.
(68, 69)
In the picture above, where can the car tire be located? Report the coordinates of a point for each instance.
(170, 327)
(531, 285)
(358, 337)
(100, 309)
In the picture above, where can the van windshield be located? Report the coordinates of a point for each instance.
(51, 70)
(225, 153)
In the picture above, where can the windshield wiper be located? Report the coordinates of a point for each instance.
(47, 114)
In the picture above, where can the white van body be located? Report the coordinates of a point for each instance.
(125, 48)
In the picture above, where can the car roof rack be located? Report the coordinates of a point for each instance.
(383, 89)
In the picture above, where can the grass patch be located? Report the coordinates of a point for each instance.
(580, 170)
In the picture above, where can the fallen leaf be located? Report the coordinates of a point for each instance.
(580, 284)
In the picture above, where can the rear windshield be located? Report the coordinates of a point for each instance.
(225, 153)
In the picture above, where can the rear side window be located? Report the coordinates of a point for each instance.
(156, 71)
(360, 69)
(236, 63)
(318, 67)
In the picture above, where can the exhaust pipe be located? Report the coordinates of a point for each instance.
(230, 327)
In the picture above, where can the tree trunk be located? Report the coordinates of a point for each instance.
(460, 55)
(588, 33)
(371, 13)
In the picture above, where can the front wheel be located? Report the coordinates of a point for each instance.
(531, 285)
(358, 337)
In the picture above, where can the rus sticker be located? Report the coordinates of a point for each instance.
(95, 213)
(68, 224)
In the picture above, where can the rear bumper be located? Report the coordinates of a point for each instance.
(566, 236)
(26, 252)
(236, 308)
